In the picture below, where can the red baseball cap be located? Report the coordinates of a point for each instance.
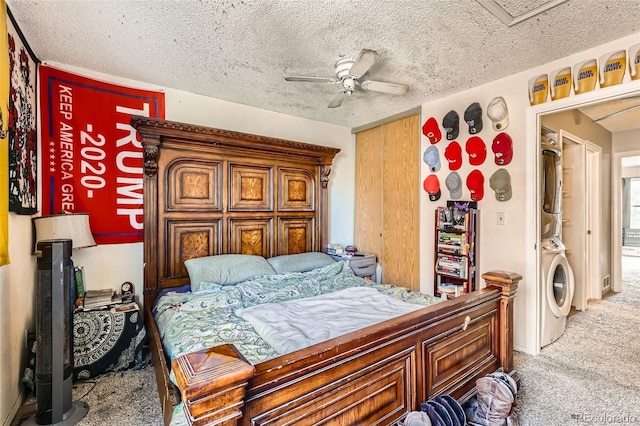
(475, 183)
(502, 147)
(432, 186)
(477, 150)
(431, 130)
(453, 154)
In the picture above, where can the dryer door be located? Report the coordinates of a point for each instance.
(560, 286)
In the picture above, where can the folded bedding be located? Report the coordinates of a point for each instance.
(192, 321)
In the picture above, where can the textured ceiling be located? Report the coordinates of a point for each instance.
(241, 50)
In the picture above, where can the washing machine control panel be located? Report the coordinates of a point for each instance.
(552, 244)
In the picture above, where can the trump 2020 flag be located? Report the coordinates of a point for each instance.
(91, 157)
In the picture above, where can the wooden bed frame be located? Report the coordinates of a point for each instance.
(210, 191)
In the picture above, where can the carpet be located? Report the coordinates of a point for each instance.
(591, 374)
(123, 398)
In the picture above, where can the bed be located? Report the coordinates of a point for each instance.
(211, 192)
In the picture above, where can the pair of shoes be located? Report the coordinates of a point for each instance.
(444, 411)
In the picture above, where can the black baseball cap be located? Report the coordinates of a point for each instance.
(473, 117)
(451, 124)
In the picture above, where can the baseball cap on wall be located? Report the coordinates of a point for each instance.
(473, 117)
(477, 150)
(498, 113)
(432, 186)
(500, 182)
(431, 157)
(475, 183)
(454, 185)
(453, 154)
(431, 130)
(451, 124)
(502, 147)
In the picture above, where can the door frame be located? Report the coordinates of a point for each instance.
(616, 217)
(594, 220)
(532, 146)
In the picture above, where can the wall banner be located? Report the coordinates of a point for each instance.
(91, 157)
(23, 123)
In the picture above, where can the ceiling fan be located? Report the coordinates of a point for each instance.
(348, 73)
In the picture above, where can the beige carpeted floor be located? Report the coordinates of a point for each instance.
(591, 375)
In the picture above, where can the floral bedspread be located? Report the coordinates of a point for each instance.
(190, 322)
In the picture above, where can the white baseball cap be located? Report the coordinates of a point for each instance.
(498, 113)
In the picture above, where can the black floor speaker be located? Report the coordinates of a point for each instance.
(54, 334)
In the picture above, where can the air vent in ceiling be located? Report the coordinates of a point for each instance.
(509, 20)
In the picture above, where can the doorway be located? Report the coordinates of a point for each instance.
(617, 213)
(609, 220)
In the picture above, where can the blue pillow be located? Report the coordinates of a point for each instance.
(226, 269)
(301, 262)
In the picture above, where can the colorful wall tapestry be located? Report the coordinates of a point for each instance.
(23, 137)
(91, 157)
(4, 154)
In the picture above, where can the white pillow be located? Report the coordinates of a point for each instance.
(226, 269)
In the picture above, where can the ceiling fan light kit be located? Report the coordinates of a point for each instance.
(348, 71)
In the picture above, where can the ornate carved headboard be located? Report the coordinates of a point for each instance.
(210, 191)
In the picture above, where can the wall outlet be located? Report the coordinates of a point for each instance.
(501, 218)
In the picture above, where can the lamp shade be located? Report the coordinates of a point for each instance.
(74, 226)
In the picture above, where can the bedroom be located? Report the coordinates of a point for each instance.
(218, 113)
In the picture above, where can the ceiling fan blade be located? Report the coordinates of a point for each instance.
(311, 79)
(382, 86)
(363, 62)
(337, 99)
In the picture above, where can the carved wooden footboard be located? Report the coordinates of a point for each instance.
(372, 376)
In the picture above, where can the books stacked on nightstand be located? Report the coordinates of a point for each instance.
(100, 299)
(335, 250)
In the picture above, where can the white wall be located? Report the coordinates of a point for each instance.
(108, 266)
(626, 141)
(510, 246)
(631, 172)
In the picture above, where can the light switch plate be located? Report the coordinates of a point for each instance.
(501, 218)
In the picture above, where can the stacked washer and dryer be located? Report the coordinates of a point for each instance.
(557, 281)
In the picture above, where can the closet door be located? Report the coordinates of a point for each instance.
(368, 198)
(387, 199)
(574, 211)
(400, 183)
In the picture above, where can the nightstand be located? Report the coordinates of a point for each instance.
(107, 340)
(362, 264)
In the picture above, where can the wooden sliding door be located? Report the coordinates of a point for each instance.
(387, 198)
